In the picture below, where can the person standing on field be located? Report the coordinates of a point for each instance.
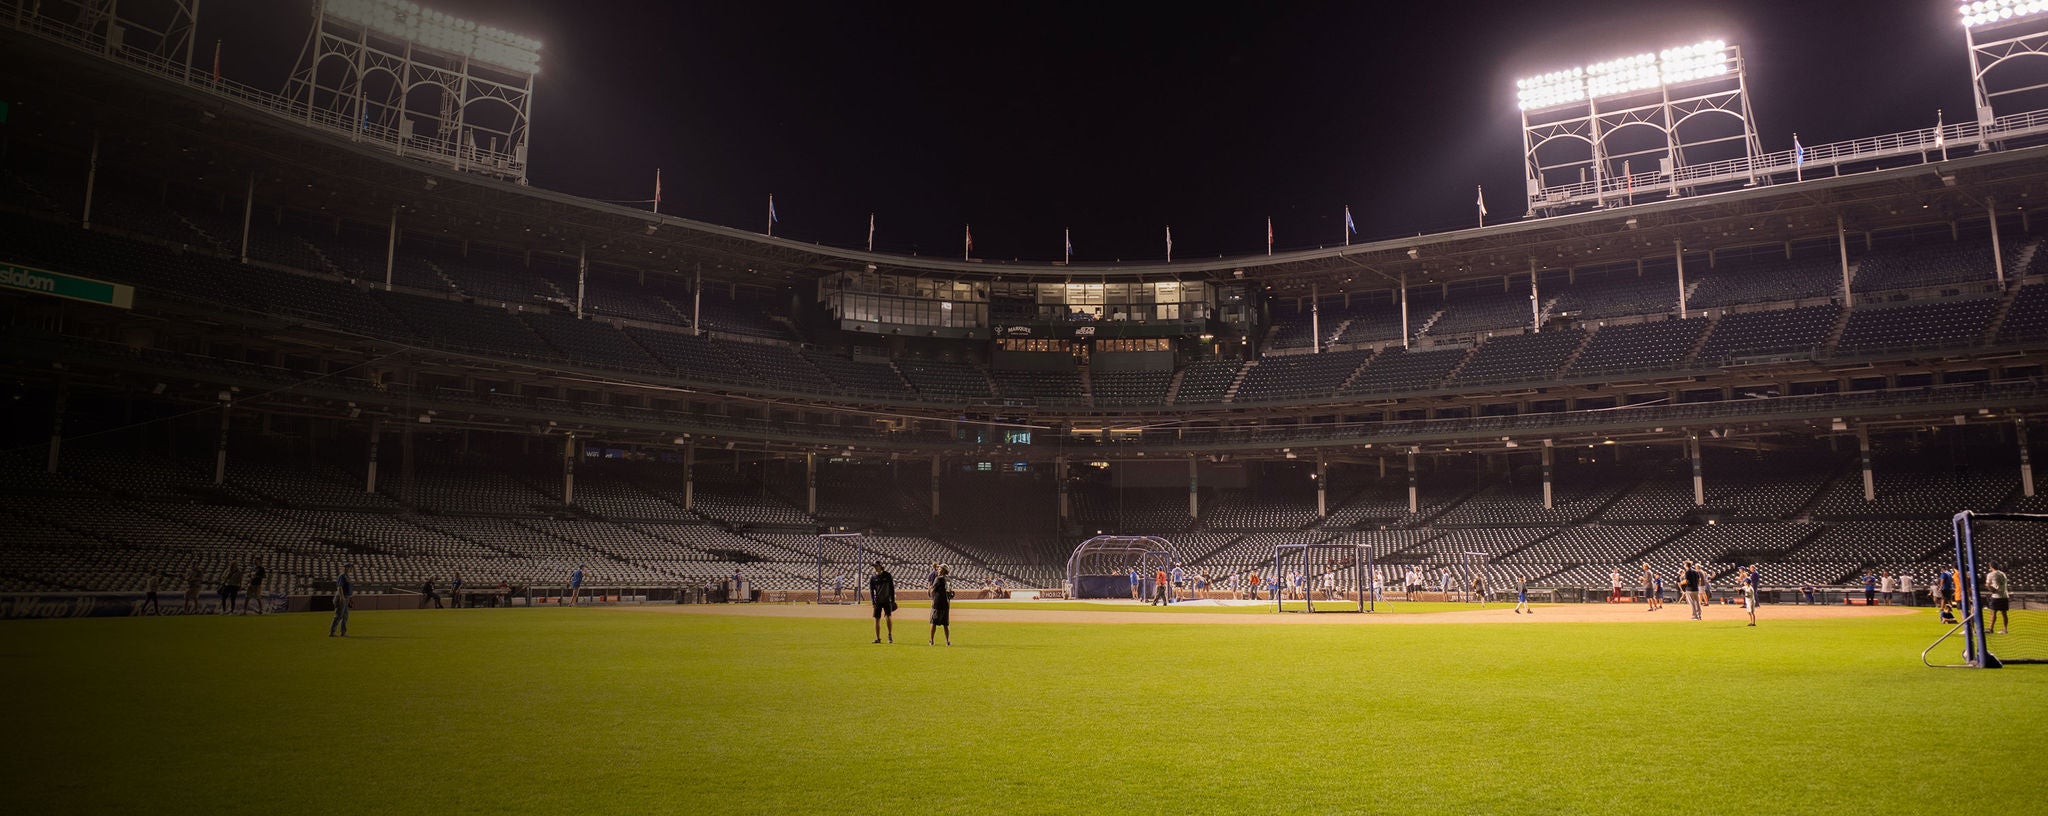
(882, 593)
(230, 587)
(344, 596)
(576, 585)
(1885, 587)
(192, 581)
(942, 607)
(1906, 588)
(2000, 589)
(1160, 584)
(253, 601)
(1522, 596)
(1614, 585)
(1691, 587)
(1748, 586)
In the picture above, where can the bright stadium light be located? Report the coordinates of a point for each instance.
(1627, 75)
(441, 32)
(1996, 12)
(1608, 132)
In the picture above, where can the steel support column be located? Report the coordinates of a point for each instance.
(248, 214)
(690, 474)
(1699, 483)
(1842, 245)
(1414, 506)
(1404, 310)
(582, 276)
(391, 249)
(2026, 458)
(1869, 482)
(220, 450)
(1322, 487)
(1194, 488)
(1548, 471)
(1060, 475)
(811, 484)
(569, 470)
(937, 469)
(1535, 301)
(1997, 252)
(92, 173)
(1315, 316)
(1678, 253)
(370, 469)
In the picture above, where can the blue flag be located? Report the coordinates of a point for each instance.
(1349, 225)
(1798, 153)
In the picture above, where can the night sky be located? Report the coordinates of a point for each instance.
(1116, 120)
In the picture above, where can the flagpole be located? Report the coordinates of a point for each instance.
(1169, 243)
(967, 247)
(1069, 236)
(1269, 236)
(771, 215)
(871, 232)
(1349, 226)
(657, 191)
(1482, 206)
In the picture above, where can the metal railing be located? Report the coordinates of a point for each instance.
(1963, 137)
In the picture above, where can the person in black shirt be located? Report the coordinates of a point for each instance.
(942, 607)
(429, 593)
(230, 587)
(882, 592)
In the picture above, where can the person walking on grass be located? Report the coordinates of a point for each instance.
(1160, 583)
(1137, 585)
(942, 607)
(455, 591)
(2000, 588)
(576, 585)
(344, 596)
(882, 593)
(1614, 585)
(1522, 596)
(429, 594)
(149, 587)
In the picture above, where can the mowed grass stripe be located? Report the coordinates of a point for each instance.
(494, 711)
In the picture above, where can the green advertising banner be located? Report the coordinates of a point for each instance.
(29, 279)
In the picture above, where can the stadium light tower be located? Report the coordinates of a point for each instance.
(2000, 33)
(430, 86)
(1611, 131)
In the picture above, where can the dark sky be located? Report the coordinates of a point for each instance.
(1115, 119)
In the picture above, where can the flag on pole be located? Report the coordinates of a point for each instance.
(1169, 243)
(1482, 205)
(1939, 138)
(657, 191)
(1269, 235)
(1070, 245)
(216, 62)
(1628, 178)
(1350, 227)
(968, 251)
(871, 232)
(1798, 158)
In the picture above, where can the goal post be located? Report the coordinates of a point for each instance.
(1345, 565)
(2005, 622)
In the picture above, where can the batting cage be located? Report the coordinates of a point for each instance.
(1101, 566)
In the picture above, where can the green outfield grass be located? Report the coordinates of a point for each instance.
(560, 711)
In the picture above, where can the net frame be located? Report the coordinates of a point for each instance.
(1360, 568)
(862, 556)
(1148, 553)
(1973, 625)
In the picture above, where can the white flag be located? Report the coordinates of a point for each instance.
(1482, 201)
(1169, 244)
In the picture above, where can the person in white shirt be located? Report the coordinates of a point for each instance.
(1614, 584)
(1906, 588)
(1885, 586)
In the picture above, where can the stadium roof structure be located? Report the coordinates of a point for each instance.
(187, 132)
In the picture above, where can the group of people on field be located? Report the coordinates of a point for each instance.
(241, 590)
(882, 596)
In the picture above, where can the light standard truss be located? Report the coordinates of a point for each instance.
(159, 31)
(2002, 34)
(426, 85)
(1607, 133)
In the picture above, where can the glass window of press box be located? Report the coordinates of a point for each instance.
(898, 299)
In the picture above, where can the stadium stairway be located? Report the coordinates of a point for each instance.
(1827, 346)
(1230, 394)
(1997, 321)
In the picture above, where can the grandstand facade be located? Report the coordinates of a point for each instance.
(369, 359)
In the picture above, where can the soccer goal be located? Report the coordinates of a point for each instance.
(2005, 620)
(1337, 571)
(842, 562)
